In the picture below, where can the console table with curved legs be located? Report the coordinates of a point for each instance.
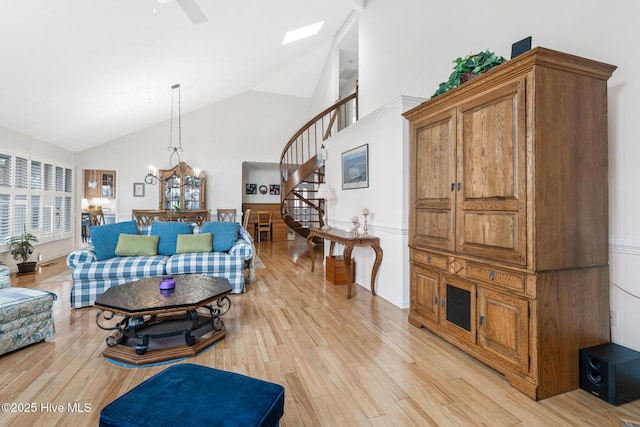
(349, 241)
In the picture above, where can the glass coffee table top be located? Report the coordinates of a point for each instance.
(191, 290)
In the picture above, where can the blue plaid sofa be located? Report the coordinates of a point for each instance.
(92, 276)
(25, 314)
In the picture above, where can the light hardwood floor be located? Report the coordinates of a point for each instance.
(342, 362)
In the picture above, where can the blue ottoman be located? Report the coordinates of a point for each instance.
(192, 395)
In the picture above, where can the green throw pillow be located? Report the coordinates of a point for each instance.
(134, 245)
(192, 243)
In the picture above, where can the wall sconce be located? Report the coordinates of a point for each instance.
(322, 153)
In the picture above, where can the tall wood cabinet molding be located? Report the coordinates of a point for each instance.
(508, 223)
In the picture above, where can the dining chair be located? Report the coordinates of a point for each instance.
(198, 217)
(228, 215)
(86, 222)
(263, 224)
(145, 217)
(96, 216)
(245, 219)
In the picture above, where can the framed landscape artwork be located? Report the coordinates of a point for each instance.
(355, 168)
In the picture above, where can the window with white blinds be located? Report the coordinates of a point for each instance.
(36, 196)
(35, 212)
(68, 211)
(59, 179)
(47, 220)
(5, 216)
(21, 173)
(57, 215)
(36, 175)
(5, 170)
(68, 181)
(19, 213)
(48, 177)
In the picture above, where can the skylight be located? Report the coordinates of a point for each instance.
(302, 33)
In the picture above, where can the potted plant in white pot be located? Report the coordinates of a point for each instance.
(21, 248)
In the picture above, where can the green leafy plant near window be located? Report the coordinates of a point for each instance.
(21, 249)
(469, 67)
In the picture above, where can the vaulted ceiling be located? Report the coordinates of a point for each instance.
(78, 73)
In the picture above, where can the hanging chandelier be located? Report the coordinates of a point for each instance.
(174, 158)
(93, 180)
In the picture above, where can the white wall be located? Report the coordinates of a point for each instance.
(386, 134)
(19, 143)
(252, 127)
(407, 48)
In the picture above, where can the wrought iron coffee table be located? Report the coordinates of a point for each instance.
(152, 325)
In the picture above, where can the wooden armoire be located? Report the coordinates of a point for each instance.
(508, 223)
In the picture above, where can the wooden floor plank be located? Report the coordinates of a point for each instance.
(345, 362)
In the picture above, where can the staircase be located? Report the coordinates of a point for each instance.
(302, 165)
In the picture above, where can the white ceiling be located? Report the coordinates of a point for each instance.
(77, 73)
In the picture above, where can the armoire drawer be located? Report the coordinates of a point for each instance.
(430, 259)
(509, 279)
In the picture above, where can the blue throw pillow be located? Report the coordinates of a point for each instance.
(104, 238)
(225, 234)
(168, 232)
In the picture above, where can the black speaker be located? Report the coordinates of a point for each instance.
(520, 47)
(611, 372)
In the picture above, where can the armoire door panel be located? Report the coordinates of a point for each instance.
(486, 229)
(433, 170)
(493, 235)
(433, 228)
(491, 199)
(434, 159)
(490, 142)
(424, 293)
(504, 326)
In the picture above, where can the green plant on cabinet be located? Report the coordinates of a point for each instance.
(469, 67)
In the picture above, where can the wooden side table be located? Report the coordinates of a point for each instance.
(347, 239)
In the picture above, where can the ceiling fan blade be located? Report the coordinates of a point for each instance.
(193, 11)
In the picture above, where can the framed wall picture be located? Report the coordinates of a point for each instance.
(251, 189)
(138, 189)
(355, 168)
(274, 189)
(263, 189)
